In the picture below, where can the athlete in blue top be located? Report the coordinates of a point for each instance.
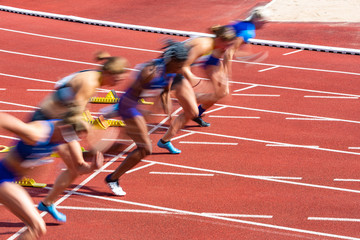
(71, 96)
(157, 74)
(38, 140)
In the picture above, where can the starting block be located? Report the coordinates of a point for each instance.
(29, 182)
(101, 121)
(112, 97)
(4, 149)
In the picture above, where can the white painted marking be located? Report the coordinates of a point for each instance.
(354, 148)
(113, 210)
(346, 180)
(79, 41)
(334, 219)
(183, 174)
(335, 97)
(2, 89)
(208, 143)
(256, 95)
(40, 90)
(8, 137)
(246, 88)
(139, 168)
(280, 177)
(18, 111)
(313, 119)
(247, 117)
(178, 211)
(20, 105)
(267, 69)
(300, 50)
(291, 145)
(239, 215)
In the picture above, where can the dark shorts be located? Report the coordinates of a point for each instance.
(38, 116)
(212, 61)
(5, 174)
(177, 79)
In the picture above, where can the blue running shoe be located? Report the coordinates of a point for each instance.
(53, 212)
(169, 147)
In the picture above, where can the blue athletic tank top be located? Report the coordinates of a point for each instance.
(39, 150)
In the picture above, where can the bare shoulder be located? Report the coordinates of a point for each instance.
(88, 78)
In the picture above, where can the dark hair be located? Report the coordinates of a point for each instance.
(225, 32)
(175, 51)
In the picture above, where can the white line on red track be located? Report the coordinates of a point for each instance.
(246, 117)
(206, 215)
(18, 111)
(353, 147)
(291, 145)
(209, 143)
(335, 97)
(296, 51)
(246, 88)
(239, 215)
(346, 180)
(267, 69)
(334, 219)
(40, 90)
(183, 174)
(139, 168)
(313, 119)
(255, 95)
(2, 89)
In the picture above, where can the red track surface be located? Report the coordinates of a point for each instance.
(235, 186)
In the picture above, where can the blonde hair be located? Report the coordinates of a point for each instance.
(112, 65)
(225, 32)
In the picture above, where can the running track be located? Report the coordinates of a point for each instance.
(280, 160)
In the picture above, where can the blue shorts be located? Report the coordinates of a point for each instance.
(212, 61)
(127, 107)
(5, 174)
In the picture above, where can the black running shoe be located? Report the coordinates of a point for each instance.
(201, 122)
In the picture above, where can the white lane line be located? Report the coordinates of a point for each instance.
(297, 89)
(113, 210)
(298, 68)
(155, 51)
(330, 97)
(2, 89)
(270, 68)
(255, 95)
(300, 50)
(79, 41)
(346, 180)
(246, 88)
(291, 145)
(178, 211)
(313, 119)
(258, 178)
(354, 148)
(139, 168)
(280, 177)
(287, 113)
(17, 104)
(183, 174)
(209, 143)
(40, 90)
(8, 137)
(18, 111)
(238, 215)
(246, 117)
(334, 219)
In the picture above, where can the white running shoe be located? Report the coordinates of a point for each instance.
(114, 186)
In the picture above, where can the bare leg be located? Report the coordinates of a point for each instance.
(136, 128)
(186, 96)
(220, 84)
(18, 201)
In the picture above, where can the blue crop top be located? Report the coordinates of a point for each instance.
(40, 149)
